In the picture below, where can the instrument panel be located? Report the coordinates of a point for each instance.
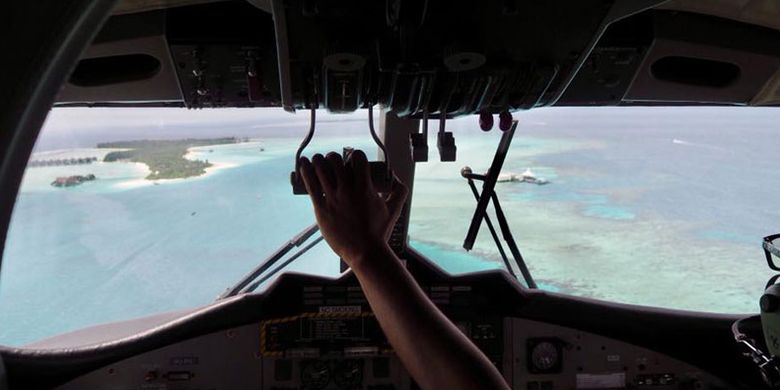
(341, 346)
(550, 357)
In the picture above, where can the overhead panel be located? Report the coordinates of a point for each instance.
(436, 57)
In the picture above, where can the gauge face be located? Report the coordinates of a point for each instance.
(545, 357)
(315, 375)
(349, 374)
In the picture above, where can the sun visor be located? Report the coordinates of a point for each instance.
(128, 62)
(699, 59)
(759, 12)
(770, 95)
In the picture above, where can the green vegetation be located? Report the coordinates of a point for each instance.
(165, 158)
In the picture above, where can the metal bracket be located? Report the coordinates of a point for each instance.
(419, 142)
(445, 141)
(381, 175)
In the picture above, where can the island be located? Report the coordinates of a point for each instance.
(72, 181)
(165, 158)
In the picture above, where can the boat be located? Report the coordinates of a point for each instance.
(72, 181)
(529, 177)
(526, 177)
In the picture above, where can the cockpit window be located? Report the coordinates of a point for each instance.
(656, 206)
(129, 212)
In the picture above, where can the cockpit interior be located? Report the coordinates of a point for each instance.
(406, 66)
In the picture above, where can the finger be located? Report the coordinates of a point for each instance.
(361, 172)
(310, 180)
(395, 202)
(324, 174)
(337, 168)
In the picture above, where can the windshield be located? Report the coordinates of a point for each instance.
(657, 206)
(136, 211)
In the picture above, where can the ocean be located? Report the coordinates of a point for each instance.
(651, 206)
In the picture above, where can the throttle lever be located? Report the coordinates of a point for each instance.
(380, 176)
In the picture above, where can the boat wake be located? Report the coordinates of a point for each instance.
(699, 145)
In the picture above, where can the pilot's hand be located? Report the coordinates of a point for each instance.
(354, 219)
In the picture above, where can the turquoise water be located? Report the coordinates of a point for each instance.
(660, 207)
(104, 250)
(655, 206)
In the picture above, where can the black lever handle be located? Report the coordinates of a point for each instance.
(380, 176)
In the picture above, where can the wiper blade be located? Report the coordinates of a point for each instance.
(298, 240)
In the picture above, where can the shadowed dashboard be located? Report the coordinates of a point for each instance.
(313, 333)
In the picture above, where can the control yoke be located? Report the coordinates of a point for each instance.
(381, 174)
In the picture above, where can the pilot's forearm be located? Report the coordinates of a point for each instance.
(431, 347)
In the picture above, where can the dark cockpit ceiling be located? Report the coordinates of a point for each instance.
(429, 58)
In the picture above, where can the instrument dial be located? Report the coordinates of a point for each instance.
(349, 374)
(544, 356)
(315, 375)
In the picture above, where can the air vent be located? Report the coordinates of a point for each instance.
(695, 71)
(100, 71)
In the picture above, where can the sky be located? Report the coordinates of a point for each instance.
(84, 127)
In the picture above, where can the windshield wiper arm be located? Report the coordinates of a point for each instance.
(491, 228)
(298, 240)
(278, 268)
(488, 193)
(488, 185)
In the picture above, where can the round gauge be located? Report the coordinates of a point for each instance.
(545, 357)
(349, 374)
(315, 375)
